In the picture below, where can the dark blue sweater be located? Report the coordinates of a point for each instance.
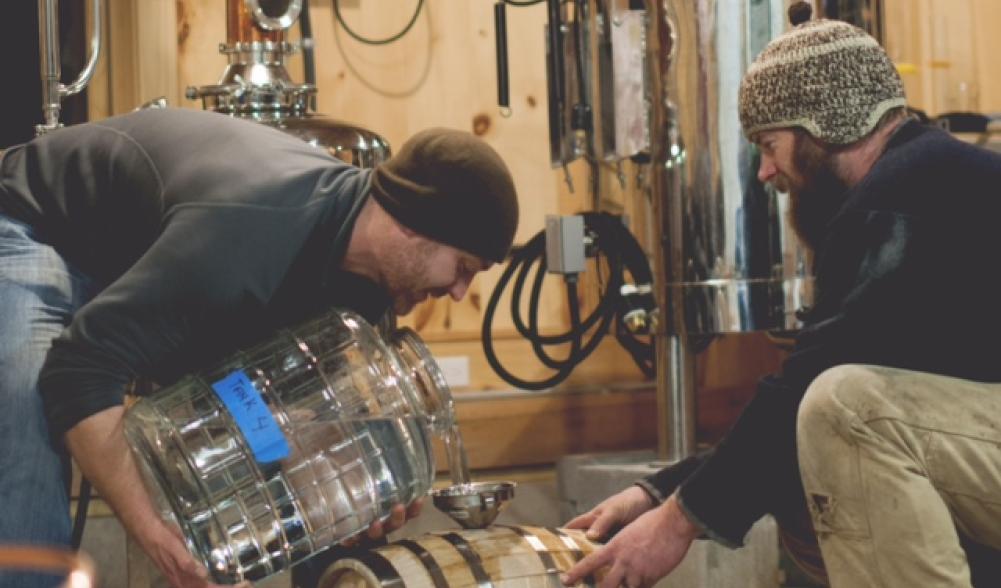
(906, 279)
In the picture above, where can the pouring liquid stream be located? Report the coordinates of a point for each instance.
(473, 505)
(458, 463)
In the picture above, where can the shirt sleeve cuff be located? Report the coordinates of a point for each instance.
(651, 491)
(705, 528)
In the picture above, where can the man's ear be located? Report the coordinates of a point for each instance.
(395, 227)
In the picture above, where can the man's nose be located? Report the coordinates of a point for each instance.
(767, 169)
(458, 289)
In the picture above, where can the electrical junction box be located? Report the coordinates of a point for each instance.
(455, 368)
(564, 244)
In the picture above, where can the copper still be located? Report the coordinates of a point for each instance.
(256, 84)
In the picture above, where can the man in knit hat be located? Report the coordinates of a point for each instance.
(881, 436)
(155, 243)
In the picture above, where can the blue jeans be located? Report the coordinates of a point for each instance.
(39, 293)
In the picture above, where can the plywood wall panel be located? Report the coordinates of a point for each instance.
(943, 44)
(987, 46)
(201, 28)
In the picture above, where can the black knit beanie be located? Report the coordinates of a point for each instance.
(452, 187)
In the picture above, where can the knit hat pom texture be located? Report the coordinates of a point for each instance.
(826, 76)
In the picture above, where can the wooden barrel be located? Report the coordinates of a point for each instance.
(497, 557)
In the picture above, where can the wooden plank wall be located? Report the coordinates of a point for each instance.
(947, 49)
(442, 74)
(940, 44)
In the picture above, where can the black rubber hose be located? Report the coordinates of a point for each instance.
(308, 55)
(622, 252)
(536, 248)
(500, 33)
(82, 506)
(554, 58)
(578, 329)
(492, 359)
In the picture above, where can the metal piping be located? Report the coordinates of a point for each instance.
(256, 84)
(87, 73)
(674, 358)
(51, 69)
(726, 260)
(48, 50)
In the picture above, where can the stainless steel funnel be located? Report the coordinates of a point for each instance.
(474, 505)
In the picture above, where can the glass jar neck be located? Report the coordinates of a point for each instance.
(428, 382)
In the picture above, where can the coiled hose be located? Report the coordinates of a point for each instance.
(611, 240)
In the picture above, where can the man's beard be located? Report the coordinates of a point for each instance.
(407, 269)
(816, 196)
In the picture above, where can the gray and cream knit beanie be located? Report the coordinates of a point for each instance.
(826, 76)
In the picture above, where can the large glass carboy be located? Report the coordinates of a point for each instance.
(293, 445)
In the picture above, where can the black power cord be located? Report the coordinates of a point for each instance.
(308, 53)
(622, 253)
(383, 41)
(82, 506)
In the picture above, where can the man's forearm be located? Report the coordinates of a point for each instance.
(99, 447)
(98, 444)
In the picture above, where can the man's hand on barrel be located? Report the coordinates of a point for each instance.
(614, 512)
(397, 517)
(647, 549)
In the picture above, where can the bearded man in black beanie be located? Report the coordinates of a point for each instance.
(881, 436)
(153, 244)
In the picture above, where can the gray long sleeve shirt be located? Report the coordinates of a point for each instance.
(203, 233)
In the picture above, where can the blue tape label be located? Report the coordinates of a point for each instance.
(252, 416)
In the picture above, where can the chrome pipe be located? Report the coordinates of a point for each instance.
(51, 69)
(726, 259)
(737, 266)
(87, 73)
(678, 416)
(274, 15)
(53, 91)
(675, 377)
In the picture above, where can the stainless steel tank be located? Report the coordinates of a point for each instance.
(257, 85)
(727, 261)
(734, 264)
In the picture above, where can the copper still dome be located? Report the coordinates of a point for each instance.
(256, 84)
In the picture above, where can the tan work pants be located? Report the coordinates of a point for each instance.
(893, 461)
